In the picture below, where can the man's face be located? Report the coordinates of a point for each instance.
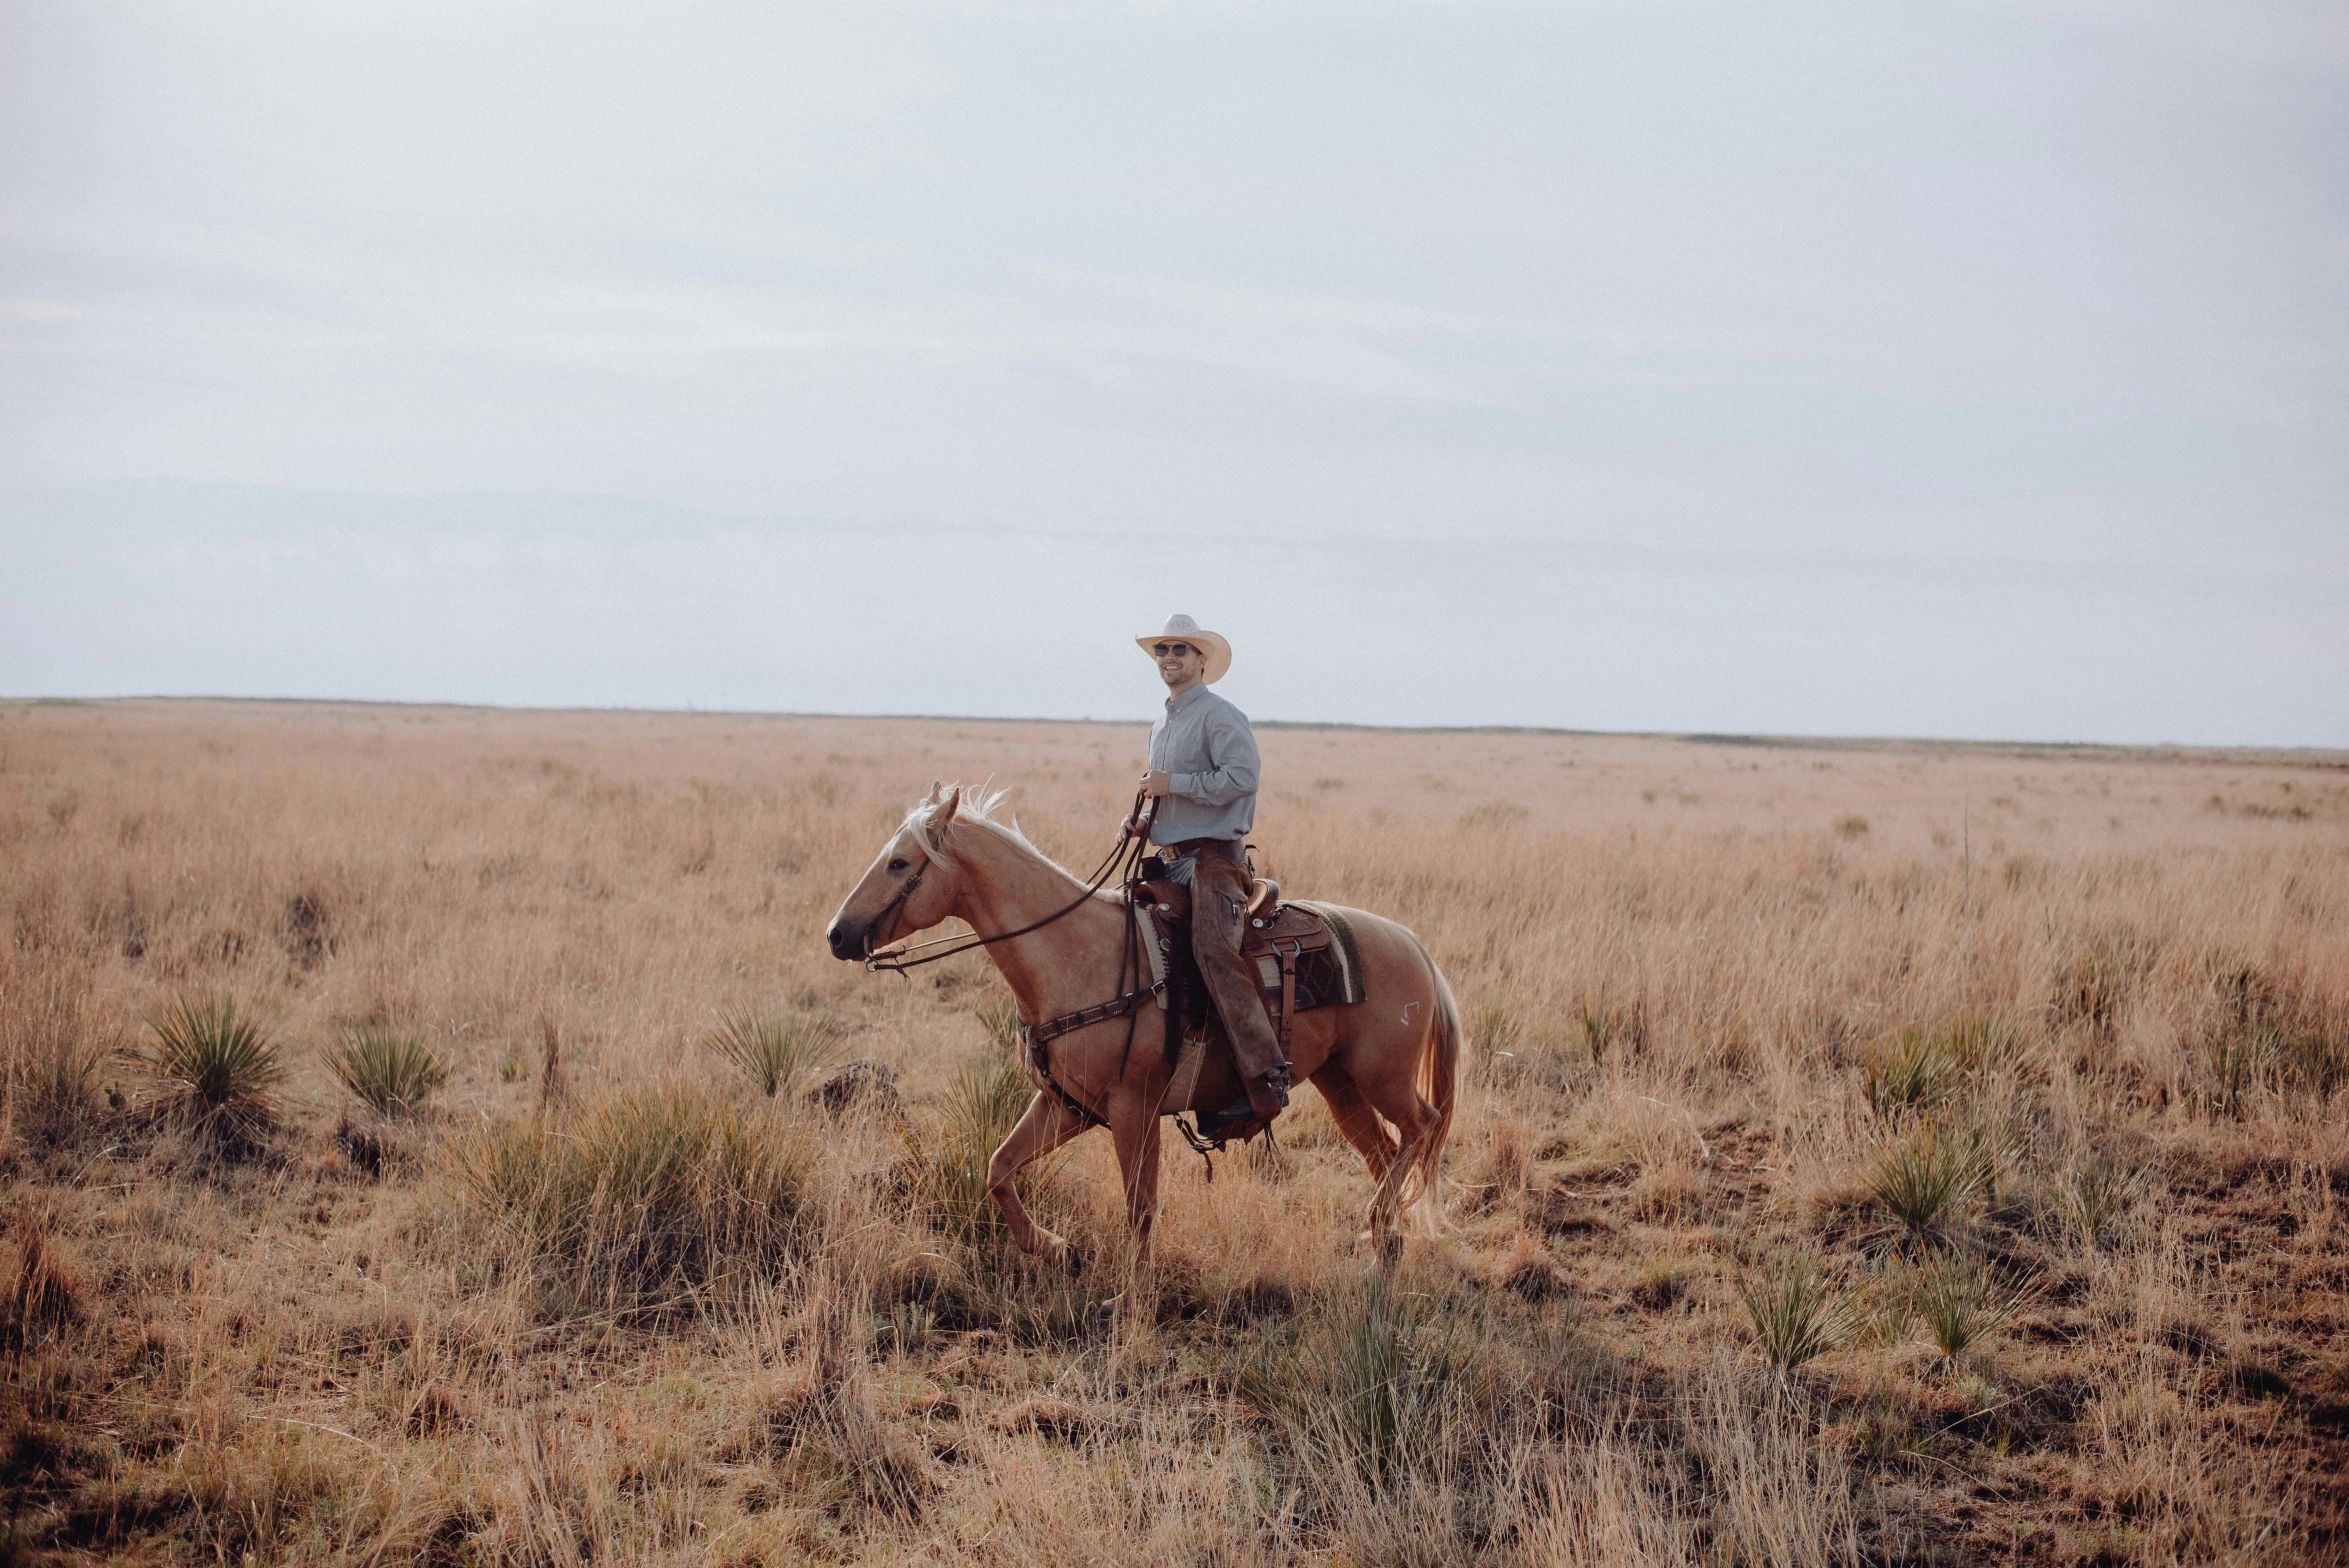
(1179, 663)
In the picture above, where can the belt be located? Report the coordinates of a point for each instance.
(1226, 848)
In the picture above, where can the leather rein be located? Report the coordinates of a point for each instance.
(1126, 856)
(1129, 835)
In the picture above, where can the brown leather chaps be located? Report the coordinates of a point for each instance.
(1219, 903)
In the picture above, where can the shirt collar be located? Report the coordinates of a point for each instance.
(1178, 704)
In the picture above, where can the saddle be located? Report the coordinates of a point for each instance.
(1303, 956)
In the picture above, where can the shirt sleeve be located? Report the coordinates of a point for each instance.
(1231, 756)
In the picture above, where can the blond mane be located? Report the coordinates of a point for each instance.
(973, 808)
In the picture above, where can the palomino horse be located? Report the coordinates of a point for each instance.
(1396, 1055)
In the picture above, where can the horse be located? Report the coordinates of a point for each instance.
(1395, 1055)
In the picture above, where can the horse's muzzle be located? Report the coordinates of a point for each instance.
(845, 941)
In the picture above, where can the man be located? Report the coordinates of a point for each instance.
(1203, 776)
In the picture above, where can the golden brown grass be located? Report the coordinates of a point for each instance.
(638, 1311)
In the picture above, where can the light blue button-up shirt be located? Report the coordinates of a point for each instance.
(1205, 744)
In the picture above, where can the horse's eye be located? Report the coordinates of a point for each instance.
(898, 864)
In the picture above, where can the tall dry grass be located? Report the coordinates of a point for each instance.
(1719, 993)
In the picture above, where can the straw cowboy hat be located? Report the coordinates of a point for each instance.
(1181, 628)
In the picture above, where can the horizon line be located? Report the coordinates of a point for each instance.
(1762, 739)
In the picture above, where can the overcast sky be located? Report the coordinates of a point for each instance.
(1971, 370)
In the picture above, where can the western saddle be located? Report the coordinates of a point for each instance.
(1275, 938)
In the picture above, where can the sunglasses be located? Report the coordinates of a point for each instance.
(1165, 648)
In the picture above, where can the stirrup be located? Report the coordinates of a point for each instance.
(1241, 1118)
(1213, 1124)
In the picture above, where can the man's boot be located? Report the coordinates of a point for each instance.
(1268, 1096)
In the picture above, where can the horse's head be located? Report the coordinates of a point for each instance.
(908, 887)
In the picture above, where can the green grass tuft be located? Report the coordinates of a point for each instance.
(2096, 987)
(1603, 1028)
(1795, 1311)
(1495, 1030)
(1924, 1071)
(218, 1068)
(1910, 1079)
(1376, 1388)
(1963, 1304)
(392, 1071)
(999, 1014)
(649, 1199)
(773, 1053)
(1925, 1178)
(2317, 1062)
(2094, 1195)
(945, 1164)
(52, 1089)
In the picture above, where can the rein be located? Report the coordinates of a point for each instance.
(1124, 858)
(1130, 837)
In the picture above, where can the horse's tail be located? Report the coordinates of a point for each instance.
(1439, 1086)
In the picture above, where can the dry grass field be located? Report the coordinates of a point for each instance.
(1866, 1154)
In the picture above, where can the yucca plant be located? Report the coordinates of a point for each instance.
(2093, 1195)
(391, 1071)
(999, 1015)
(650, 1197)
(1963, 1303)
(773, 1053)
(1910, 1079)
(1999, 1141)
(218, 1069)
(1926, 1177)
(945, 1165)
(1796, 1312)
(1495, 1030)
(1376, 1387)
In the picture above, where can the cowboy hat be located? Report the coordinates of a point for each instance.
(1181, 628)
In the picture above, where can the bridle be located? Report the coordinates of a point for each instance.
(1124, 861)
(1124, 856)
(895, 910)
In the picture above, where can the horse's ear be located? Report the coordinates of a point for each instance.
(940, 816)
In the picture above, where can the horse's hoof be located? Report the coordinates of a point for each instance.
(1073, 1260)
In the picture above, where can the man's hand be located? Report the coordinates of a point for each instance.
(1157, 784)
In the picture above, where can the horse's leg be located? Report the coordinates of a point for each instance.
(1392, 1090)
(1047, 1125)
(1355, 1119)
(1134, 1127)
